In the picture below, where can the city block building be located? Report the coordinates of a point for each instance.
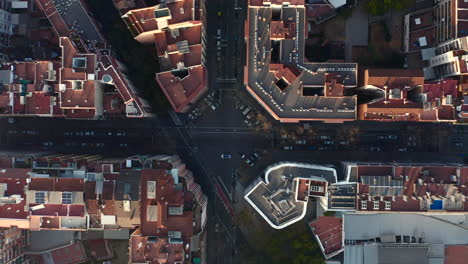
(154, 196)
(384, 211)
(177, 30)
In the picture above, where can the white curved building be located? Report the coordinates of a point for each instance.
(281, 198)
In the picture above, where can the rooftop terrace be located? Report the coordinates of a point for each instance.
(276, 198)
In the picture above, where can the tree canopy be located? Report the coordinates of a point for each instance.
(380, 7)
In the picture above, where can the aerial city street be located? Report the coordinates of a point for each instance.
(234, 131)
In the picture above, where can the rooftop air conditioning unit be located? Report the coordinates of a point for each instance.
(454, 178)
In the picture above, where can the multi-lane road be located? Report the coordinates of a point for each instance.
(221, 131)
(126, 137)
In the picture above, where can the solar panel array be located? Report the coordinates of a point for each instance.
(40, 197)
(151, 193)
(183, 46)
(66, 198)
(383, 185)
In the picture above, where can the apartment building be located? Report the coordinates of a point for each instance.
(278, 76)
(176, 28)
(85, 82)
(155, 196)
(418, 210)
(404, 95)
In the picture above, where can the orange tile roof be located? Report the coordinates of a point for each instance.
(334, 86)
(159, 252)
(393, 78)
(418, 182)
(457, 254)
(164, 39)
(15, 179)
(280, 30)
(166, 195)
(144, 19)
(403, 81)
(329, 232)
(107, 65)
(182, 92)
(39, 103)
(4, 102)
(83, 98)
(57, 184)
(183, 27)
(288, 72)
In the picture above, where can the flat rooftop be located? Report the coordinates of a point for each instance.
(432, 229)
(76, 17)
(275, 198)
(302, 98)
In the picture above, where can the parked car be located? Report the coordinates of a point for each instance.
(256, 155)
(226, 156)
(48, 144)
(249, 162)
(312, 148)
(300, 142)
(287, 148)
